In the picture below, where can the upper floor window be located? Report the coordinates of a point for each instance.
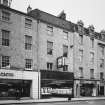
(102, 63)
(101, 75)
(5, 37)
(5, 61)
(49, 30)
(5, 16)
(49, 47)
(81, 39)
(81, 72)
(65, 51)
(28, 64)
(91, 73)
(92, 43)
(92, 57)
(28, 23)
(65, 68)
(49, 66)
(65, 34)
(81, 56)
(28, 42)
(102, 50)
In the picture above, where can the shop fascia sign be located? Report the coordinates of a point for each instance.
(60, 62)
(6, 74)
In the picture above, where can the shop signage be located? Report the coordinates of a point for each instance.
(48, 90)
(60, 62)
(5, 74)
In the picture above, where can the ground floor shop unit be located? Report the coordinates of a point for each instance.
(86, 87)
(56, 84)
(18, 83)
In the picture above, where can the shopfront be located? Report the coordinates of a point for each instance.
(56, 84)
(88, 88)
(24, 82)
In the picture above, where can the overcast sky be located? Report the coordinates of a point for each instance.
(89, 11)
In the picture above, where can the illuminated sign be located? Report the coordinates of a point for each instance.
(60, 62)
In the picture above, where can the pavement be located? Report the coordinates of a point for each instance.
(49, 100)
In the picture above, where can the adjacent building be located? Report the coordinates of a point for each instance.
(44, 55)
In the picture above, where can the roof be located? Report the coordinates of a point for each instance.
(13, 10)
(51, 19)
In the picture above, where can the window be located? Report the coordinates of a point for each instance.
(65, 51)
(5, 37)
(5, 61)
(65, 34)
(81, 72)
(81, 39)
(28, 23)
(49, 66)
(102, 50)
(91, 73)
(5, 2)
(65, 68)
(101, 75)
(5, 16)
(92, 43)
(28, 42)
(81, 56)
(102, 63)
(92, 57)
(49, 47)
(49, 30)
(28, 64)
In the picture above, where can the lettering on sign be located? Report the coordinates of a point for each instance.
(6, 74)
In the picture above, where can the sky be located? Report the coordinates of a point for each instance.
(91, 12)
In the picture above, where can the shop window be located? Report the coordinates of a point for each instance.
(28, 23)
(5, 37)
(49, 48)
(49, 66)
(5, 16)
(5, 61)
(65, 51)
(49, 30)
(28, 42)
(28, 64)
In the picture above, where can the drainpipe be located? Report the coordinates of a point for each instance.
(37, 37)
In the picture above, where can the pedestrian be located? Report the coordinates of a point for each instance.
(17, 94)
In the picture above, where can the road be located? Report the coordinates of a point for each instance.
(98, 102)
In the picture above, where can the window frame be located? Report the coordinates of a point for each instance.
(28, 42)
(5, 38)
(49, 30)
(49, 49)
(49, 66)
(28, 23)
(65, 52)
(5, 61)
(28, 64)
(6, 15)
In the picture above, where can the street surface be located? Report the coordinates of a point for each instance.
(98, 102)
